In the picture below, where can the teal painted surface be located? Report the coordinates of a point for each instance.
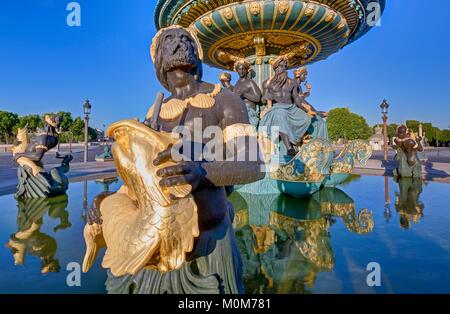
(298, 189)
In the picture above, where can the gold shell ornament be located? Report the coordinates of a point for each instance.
(142, 225)
(174, 108)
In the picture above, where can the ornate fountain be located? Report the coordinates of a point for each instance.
(259, 31)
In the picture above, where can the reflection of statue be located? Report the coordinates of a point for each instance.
(407, 146)
(107, 182)
(337, 203)
(30, 240)
(34, 181)
(407, 203)
(285, 254)
(247, 89)
(318, 127)
(164, 205)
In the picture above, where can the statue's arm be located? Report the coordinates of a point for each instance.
(301, 102)
(253, 93)
(242, 164)
(266, 96)
(35, 156)
(241, 139)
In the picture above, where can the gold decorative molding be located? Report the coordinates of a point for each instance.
(207, 21)
(260, 46)
(239, 130)
(255, 8)
(283, 7)
(310, 10)
(228, 13)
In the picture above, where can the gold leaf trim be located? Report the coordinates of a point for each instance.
(237, 130)
(175, 107)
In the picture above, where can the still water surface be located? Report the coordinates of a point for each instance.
(320, 245)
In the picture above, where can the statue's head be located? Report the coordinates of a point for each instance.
(279, 79)
(242, 67)
(53, 120)
(402, 131)
(301, 74)
(175, 48)
(280, 65)
(225, 77)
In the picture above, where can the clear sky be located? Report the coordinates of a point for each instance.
(46, 65)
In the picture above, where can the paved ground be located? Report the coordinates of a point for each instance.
(437, 168)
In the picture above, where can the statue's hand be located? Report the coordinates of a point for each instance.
(184, 172)
(308, 87)
(17, 156)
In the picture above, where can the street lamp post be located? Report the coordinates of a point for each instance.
(87, 110)
(384, 110)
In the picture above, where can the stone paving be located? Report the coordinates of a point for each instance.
(433, 171)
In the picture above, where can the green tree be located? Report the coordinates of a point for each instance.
(77, 129)
(413, 125)
(347, 125)
(92, 134)
(7, 122)
(67, 121)
(34, 122)
(446, 136)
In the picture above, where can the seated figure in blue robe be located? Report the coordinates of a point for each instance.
(286, 111)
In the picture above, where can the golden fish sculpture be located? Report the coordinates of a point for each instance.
(142, 226)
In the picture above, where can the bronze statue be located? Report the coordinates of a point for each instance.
(318, 128)
(247, 89)
(158, 216)
(225, 80)
(407, 145)
(283, 110)
(34, 181)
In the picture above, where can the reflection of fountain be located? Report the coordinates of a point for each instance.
(407, 203)
(285, 254)
(337, 203)
(29, 240)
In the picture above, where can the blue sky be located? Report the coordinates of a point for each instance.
(47, 66)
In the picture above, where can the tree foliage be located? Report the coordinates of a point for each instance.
(343, 124)
(7, 122)
(70, 129)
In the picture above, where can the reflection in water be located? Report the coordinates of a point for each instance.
(29, 240)
(107, 182)
(387, 200)
(407, 202)
(286, 254)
